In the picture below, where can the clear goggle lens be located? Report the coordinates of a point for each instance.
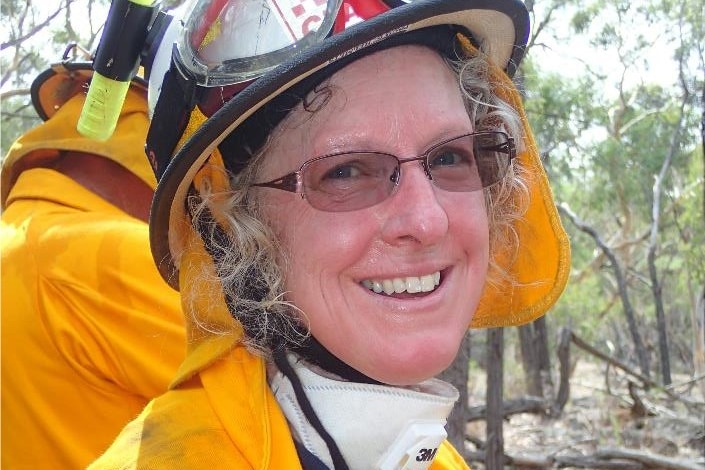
(224, 42)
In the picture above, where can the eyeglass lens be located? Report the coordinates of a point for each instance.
(355, 180)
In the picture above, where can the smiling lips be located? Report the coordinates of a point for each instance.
(400, 285)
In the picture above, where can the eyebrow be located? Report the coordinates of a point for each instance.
(342, 145)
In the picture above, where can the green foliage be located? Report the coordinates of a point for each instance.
(36, 35)
(605, 135)
(17, 117)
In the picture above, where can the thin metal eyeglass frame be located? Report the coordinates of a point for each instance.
(293, 182)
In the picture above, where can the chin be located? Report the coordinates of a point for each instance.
(417, 364)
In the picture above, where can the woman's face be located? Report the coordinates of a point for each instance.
(400, 101)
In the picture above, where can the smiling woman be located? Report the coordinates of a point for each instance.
(416, 232)
(336, 226)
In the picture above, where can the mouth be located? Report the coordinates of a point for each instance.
(404, 285)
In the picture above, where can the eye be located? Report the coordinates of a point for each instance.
(344, 171)
(448, 158)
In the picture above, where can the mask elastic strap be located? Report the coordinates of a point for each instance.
(282, 363)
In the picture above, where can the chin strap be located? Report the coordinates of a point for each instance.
(315, 353)
(362, 426)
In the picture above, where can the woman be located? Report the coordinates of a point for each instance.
(335, 227)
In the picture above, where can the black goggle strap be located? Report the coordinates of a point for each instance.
(177, 98)
(282, 363)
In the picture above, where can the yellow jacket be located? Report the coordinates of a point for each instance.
(85, 344)
(220, 411)
(90, 331)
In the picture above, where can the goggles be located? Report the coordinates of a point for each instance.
(226, 42)
(351, 181)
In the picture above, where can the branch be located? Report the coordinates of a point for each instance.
(648, 459)
(648, 382)
(697, 378)
(615, 458)
(34, 30)
(16, 92)
(582, 344)
(540, 26)
(621, 284)
(16, 65)
(526, 404)
(638, 119)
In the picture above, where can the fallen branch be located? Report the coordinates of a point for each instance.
(687, 382)
(593, 463)
(526, 404)
(648, 459)
(646, 381)
(604, 459)
(527, 461)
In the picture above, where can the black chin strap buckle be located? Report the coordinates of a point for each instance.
(177, 98)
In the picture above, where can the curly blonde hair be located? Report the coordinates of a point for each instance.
(250, 256)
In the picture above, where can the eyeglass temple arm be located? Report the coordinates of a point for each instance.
(288, 182)
(507, 147)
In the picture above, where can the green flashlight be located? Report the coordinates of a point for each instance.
(115, 65)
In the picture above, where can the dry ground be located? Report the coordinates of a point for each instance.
(598, 417)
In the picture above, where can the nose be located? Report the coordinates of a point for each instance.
(414, 213)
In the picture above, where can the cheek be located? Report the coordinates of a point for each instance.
(317, 246)
(468, 223)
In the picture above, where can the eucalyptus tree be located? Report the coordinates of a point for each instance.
(620, 145)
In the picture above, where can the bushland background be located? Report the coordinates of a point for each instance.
(614, 376)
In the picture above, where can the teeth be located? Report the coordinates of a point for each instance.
(427, 283)
(413, 285)
(398, 285)
(388, 286)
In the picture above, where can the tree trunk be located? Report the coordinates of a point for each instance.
(698, 322)
(536, 360)
(494, 458)
(639, 348)
(564, 360)
(544, 357)
(660, 320)
(702, 140)
(529, 360)
(457, 374)
(656, 286)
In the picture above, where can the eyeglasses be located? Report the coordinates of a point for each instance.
(349, 181)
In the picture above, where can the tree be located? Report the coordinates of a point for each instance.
(37, 33)
(457, 374)
(605, 134)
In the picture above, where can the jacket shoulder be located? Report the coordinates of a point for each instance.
(176, 430)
